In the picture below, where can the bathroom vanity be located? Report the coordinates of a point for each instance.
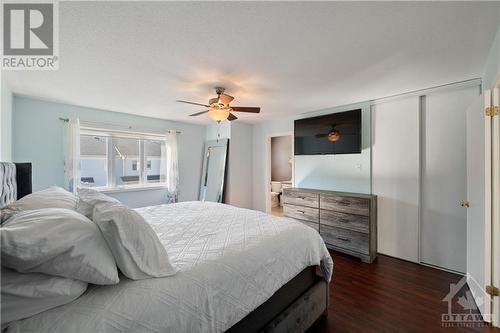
(346, 221)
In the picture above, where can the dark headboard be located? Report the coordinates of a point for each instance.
(15, 181)
(23, 179)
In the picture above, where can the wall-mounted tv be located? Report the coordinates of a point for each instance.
(336, 133)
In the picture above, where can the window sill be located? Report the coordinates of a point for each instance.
(130, 188)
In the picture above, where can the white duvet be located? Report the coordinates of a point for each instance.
(230, 261)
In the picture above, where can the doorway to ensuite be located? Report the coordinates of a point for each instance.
(279, 171)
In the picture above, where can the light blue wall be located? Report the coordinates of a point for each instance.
(346, 172)
(261, 134)
(38, 138)
(6, 123)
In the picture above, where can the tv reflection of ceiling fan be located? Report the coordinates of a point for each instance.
(333, 135)
(219, 109)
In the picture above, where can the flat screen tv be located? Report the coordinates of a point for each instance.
(336, 133)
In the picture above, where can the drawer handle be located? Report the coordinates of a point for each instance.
(343, 239)
(301, 211)
(301, 198)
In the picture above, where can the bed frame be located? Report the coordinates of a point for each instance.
(293, 308)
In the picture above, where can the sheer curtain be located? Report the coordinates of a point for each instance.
(170, 166)
(72, 154)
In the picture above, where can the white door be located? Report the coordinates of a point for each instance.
(479, 200)
(444, 179)
(495, 220)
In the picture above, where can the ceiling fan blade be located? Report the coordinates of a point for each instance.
(321, 135)
(225, 99)
(198, 113)
(245, 109)
(193, 103)
(231, 117)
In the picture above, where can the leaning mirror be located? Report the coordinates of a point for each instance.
(214, 171)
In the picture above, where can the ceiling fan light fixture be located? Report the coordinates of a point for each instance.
(218, 114)
(213, 101)
(333, 136)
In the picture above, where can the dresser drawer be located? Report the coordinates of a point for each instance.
(347, 221)
(301, 198)
(343, 204)
(346, 239)
(315, 226)
(301, 213)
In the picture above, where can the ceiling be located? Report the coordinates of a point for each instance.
(288, 58)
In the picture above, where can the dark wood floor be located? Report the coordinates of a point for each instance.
(390, 295)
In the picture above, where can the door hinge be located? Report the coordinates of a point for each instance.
(492, 291)
(491, 111)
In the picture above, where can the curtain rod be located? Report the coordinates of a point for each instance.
(129, 127)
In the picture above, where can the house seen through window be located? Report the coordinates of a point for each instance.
(110, 161)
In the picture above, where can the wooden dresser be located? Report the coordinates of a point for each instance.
(346, 221)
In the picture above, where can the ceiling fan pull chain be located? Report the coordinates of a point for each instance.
(218, 130)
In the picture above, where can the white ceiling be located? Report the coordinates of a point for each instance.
(288, 58)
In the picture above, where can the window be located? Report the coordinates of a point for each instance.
(126, 152)
(110, 160)
(152, 154)
(93, 161)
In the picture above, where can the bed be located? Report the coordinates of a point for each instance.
(239, 271)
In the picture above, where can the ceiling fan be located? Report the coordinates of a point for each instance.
(219, 109)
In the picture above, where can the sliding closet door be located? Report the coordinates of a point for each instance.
(395, 172)
(444, 178)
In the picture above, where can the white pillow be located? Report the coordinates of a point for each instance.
(58, 242)
(88, 198)
(138, 252)
(53, 197)
(26, 294)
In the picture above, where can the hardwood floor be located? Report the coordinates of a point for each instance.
(390, 295)
(277, 211)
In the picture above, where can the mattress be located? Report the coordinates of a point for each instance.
(230, 261)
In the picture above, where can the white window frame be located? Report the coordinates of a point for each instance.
(111, 157)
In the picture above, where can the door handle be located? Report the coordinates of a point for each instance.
(464, 204)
